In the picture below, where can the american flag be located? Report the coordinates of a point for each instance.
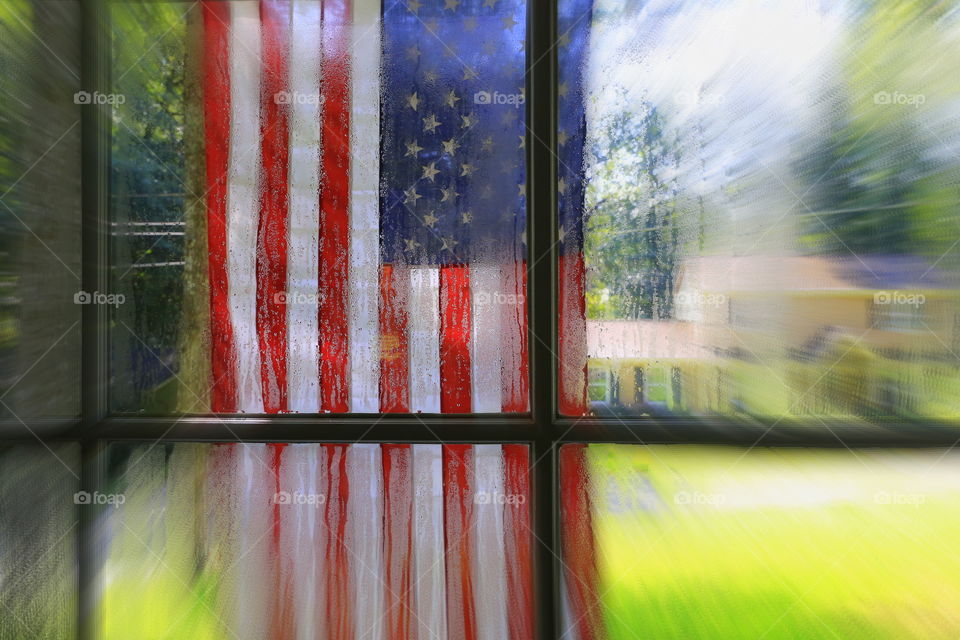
(573, 26)
(366, 205)
(309, 540)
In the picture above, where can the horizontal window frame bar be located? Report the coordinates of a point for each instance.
(298, 429)
(489, 428)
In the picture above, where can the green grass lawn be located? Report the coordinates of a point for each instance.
(715, 543)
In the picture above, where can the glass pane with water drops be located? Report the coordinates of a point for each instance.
(339, 541)
(319, 206)
(759, 210)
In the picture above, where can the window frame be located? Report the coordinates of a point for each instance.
(543, 429)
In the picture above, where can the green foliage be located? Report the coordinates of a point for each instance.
(148, 182)
(881, 178)
(631, 231)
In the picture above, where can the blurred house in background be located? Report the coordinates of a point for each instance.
(774, 336)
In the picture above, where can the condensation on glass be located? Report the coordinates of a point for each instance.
(318, 540)
(40, 289)
(760, 220)
(319, 206)
(690, 542)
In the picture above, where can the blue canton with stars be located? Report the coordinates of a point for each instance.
(452, 174)
(573, 27)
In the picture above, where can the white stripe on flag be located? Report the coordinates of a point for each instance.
(303, 355)
(364, 339)
(485, 355)
(365, 538)
(300, 558)
(424, 339)
(243, 198)
(489, 568)
(429, 577)
(253, 489)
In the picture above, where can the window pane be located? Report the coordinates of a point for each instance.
(38, 541)
(758, 209)
(320, 207)
(40, 287)
(318, 540)
(694, 542)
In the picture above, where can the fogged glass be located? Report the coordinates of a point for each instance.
(40, 290)
(319, 206)
(317, 540)
(39, 510)
(766, 223)
(693, 542)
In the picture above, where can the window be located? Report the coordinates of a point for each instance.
(346, 540)
(756, 230)
(484, 319)
(761, 190)
(724, 542)
(308, 222)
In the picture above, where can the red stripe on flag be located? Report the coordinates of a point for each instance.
(272, 231)
(394, 389)
(216, 122)
(517, 546)
(458, 516)
(455, 339)
(337, 587)
(572, 330)
(398, 539)
(334, 211)
(577, 543)
(516, 374)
